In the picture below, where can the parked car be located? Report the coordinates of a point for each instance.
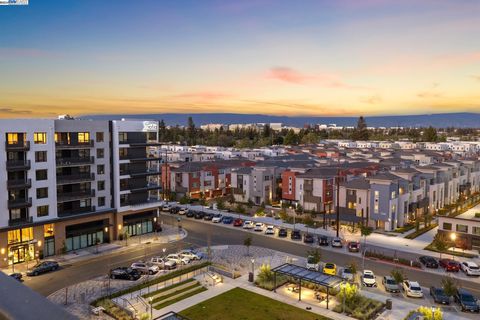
(183, 211)
(337, 243)
(145, 267)
(125, 273)
(354, 246)
(258, 227)
(178, 259)
(330, 269)
(270, 230)
(238, 223)
(439, 295)
(312, 264)
(347, 274)
(247, 224)
(470, 268)
(450, 265)
(390, 284)
(208, 216)
(227, 220)
(323, 241)
(163, 263)
(199, 214)
(295, 235)
(17, 276)
(428, 262)
(174, 210)
(190, 254)
(43, 267)
(282, 233)
(308, 238)
(166, 207)
(190, 214)
(466, 301)
(217, 218)
(412, 289)
(368, 279)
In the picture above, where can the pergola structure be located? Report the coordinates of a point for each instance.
(302, 273)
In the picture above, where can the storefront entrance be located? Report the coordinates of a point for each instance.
(86, 235)
(139, 223)
(22, 253)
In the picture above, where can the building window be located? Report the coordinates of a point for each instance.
(208, 173)
(40, 137)
(99, 136)
(42, 193)
(195, 185)
(393, 194)
(20, 235)
(12, 138)
(42, 211)
(101, 201)
(101, 185)
(48, 230)
(83, 137)
(40, 156)
(15, 214)
(122, 137)
(100, 169)
(100, 153)
(122, 152)
(41, 175)
(462, 228)
(447, 226)
(476, 231)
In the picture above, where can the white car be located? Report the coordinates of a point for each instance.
(270, 230)
(217, 218)
(163, 263)
(183, 211)
(368, 279)
(412, 289)
(470, 268)
(311, 264)
(166, 207)
(258, 227)
(178, 259)
(247, 224)
(189, 254)
(347, 274)
(337, 243)
(145, 267)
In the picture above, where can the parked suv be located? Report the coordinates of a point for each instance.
(43, 267)
(412, 289)
(323, 241)
(190, 254)
(466, 300)
(145, 267)
(164, 263)
(428, 262)
(439, 295)
(282, 233)
(390, 284)
(295, 235)
(125, 273)
(470, 268)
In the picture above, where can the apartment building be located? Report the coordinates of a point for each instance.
(67, 179)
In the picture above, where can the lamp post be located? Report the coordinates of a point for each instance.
(151, 307)
(433, 312)
(139, 229)
(253, 270)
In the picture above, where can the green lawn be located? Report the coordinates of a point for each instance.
(241, 304)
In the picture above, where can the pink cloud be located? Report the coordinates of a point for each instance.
(288, 75)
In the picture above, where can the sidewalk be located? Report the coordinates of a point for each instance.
(169, 234)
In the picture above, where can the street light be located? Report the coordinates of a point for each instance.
(151, 307)
(253, 270)
(453, 237)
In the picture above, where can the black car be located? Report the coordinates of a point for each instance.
(17, 276)
(282, 233)
(125, 273)
(199, 214)
(466, 301)
(296, 235)
(439, 295)
(208, 216)
(323, 241)
(190, 214)
(43, 267)
(308, 238)
(428, 262)
(174, 210)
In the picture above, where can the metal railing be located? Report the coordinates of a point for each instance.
(18, 164)
(18, 145)
(70, 196)
(19, 183)
(19, 203)
(75, 161)
(74, 145)
(74, 178)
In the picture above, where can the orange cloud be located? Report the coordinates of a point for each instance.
(203, 95)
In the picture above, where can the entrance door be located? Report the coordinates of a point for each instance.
(49, 247)
(20, 252)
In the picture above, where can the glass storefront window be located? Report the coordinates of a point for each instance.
(14, 236)
(27, 234)
(48, 230)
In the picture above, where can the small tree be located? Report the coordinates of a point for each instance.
(250, 203)
(353, 267)
(449, 286)
(28, 258)
(240, 209)
(265, 273)
(184, 200)
(441, 243)
(247, 243)
(315, 254)
(397, 275)
(126, 236)
(231, 199)
(220, 204)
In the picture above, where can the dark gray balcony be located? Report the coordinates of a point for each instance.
(140, 143)
(71, 212)
(19, 203)
(77, 195)
(149, 186)
(72, 162)
(74, 145)
(18, 165)
(17, 146)
(19, 184)
(75, 178)
(20, 221)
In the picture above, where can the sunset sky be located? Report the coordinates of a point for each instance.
(296, 57)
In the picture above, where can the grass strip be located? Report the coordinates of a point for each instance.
(431, 247)
(176, 292)
(185, 296)
(151, 294)
(418, 233)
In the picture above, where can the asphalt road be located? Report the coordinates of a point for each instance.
(202, 234)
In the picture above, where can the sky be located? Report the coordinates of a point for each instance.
(308, 57)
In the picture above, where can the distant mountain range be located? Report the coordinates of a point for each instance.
(440, 120)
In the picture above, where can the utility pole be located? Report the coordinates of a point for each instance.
(338, 201)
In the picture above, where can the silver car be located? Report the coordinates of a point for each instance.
(145, 267)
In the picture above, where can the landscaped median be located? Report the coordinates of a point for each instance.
(118, 313)
(169, 295)
(419, 232)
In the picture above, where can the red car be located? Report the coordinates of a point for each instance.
(354, 246)
(450, 265)
(238, 222)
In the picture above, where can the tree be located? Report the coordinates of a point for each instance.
(315, 254)
(353, 267)
(449, 286)
(430, 313)
(365, 231)
(162, 131)
(247, 243)
(361, 131)
(398, 275)
(430, 134)
(265, 273)
(220, 204)
(441, 243)
(291, 138)
(191, 131)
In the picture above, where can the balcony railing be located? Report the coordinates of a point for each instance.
(69, 212)
(66, 162)
(72, 196)
(19, 183)
(20, 221)
(18, 165)
(140, 143)
(19, 203)
(17, 146)
(74, 145)
(140, 158)
(149, 186)
(75, 178)
(144, 172)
